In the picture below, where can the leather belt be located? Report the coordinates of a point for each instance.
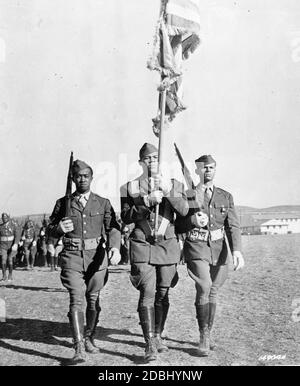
(205, 235)
(77, 244)
(6, 238)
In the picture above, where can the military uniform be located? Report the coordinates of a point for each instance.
(42, 240)
(206, 249)
(153, 263)
(9, 236)
(29, 239)
(84, 259)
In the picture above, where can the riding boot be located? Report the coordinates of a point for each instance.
(92, 318)
(27, 261)
(202, 312)
(10, 271)
(44, 259)
(32, 260)
(161, 312)
(76, 319)
(52, 263)
(147, 317)
(4, 277)
(55, 263)
(211, 317)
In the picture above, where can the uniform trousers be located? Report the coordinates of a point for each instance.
(82, 284)
(154, 282)
(208, 279)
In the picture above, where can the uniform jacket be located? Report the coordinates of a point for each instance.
(133, 210)
(221, 214)
(9, 229)
(29, 235)
(95, 221)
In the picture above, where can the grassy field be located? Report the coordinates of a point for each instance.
(257, 320)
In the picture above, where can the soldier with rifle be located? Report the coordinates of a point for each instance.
(153, 255)
(212, 235)
(42, 242)
(84, 220)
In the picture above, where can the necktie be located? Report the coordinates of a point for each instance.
(208, 192)
(82, 199)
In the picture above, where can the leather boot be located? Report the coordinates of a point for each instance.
(211, 317)
(147, 317)
(76, 319)
(27, 261)
(10, 271)
(202, 312)
(161, 312)
(56, 263)
(52, 263)
(92, 318)
(4, 277)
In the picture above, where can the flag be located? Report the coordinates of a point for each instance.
(176, 37)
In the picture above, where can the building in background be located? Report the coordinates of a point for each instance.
(280, 226)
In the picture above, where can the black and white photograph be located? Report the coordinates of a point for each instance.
(149, 186)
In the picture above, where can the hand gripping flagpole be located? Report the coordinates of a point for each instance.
(163, 93)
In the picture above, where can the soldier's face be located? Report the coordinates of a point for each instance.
(82, 180)
(5, 217)
(150, 163)
(206, 172)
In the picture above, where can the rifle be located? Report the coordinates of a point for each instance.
(186, 173)
(69, 187)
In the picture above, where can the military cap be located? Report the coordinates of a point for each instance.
(147, 149)
(80, 165)
(205, 159)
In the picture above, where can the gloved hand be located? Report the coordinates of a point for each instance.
(162, 183)
(200, 219)
(42, 233)
(14, 248)
(153, 198)
(21, 243)
(34, 243)
(65, 225)
(238, 260)
(114, 256)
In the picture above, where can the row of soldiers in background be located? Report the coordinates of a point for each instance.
(30, 245)
(26, 246)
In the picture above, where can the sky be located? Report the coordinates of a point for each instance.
(73, 77)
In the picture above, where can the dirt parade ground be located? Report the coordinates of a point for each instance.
(257, 322)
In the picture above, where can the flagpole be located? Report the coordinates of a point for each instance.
(163, 93)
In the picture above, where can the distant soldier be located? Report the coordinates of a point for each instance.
(154, 258)
(84, 258)
(42, 241)
(8, 245)
(125, 232)
(212, 228)
(29, 240)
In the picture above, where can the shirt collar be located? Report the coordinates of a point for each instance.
(85, 195)
(203, 187)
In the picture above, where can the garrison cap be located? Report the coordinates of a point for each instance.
(147, 149)
(80, 165)
(205, 159)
